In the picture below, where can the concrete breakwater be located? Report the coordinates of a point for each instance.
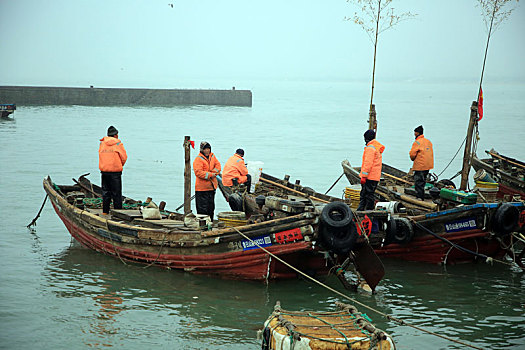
(93, 96)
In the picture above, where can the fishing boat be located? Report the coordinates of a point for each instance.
(461, 233)
(6, 110)
(508, 172)
(260, 248)
(345, 328)
(170, 243)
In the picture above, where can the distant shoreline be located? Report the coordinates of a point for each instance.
(95, 96)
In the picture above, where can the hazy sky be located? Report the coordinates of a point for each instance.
(150, 44)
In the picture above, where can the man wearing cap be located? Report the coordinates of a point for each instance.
(111, 159)
(206, 168)
(370, 170)
(235, 168)
(423, 156)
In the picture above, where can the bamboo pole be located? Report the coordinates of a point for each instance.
(397, 178)
(187, 176)
(468, 145)
(292, 190)
(372, 121)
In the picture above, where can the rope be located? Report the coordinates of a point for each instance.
(388, 317)
(33, 222)
(455, 155)
(332, 327)
(328, 340)
(114, 248)
(160, 250)
(458, 247)
(97, 202)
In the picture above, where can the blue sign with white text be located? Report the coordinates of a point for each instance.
(461, 225)
(263, 241)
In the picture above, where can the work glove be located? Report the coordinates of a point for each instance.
(363, 180)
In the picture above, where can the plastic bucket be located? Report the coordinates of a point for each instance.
(482, 176)
(487, 185)
(233, 218)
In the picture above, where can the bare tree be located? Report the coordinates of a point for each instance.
(494, 12)
(375, 17)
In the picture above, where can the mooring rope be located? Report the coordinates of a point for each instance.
(463, 249)
(455, 155)
(33, 222)
(388, 317)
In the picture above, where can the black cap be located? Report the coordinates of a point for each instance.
(204, 145)
(370, 135)
(419, 129)
(112, 131)
(240, 152)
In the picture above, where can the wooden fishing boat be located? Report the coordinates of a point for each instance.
(6, 110)
(460, 234)
(299, 238)
(345, 328)
(508, 172)
(202, 248)
(395, 185)
(170, 244)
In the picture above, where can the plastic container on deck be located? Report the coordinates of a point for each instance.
(255, 170)
(458, 196)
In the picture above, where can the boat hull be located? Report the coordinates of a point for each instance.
(429, 249)
(253, 264)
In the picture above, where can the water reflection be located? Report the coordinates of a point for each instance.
(7, 125)
(475, 303)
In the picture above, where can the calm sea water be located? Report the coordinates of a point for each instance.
(57, 295)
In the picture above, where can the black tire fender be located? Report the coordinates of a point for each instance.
(390, 231)
(236, 202)
(340, 241)
(505, 219)
(399, 230)
(336, 215)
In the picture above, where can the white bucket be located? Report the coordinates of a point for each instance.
(255, 170)
(391, 207)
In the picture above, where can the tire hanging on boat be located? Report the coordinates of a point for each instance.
(337, 230)
(505, 219)
(236, 202)
(399, 230)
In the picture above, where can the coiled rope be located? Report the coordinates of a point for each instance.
(389, 317)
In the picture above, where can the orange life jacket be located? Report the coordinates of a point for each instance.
(111, 155)
(422, 154)
(372, 160)
(234, 168)
(205, 170)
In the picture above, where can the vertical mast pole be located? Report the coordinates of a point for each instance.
(187, 176)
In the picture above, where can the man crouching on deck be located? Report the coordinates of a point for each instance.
(235, 169)
(111, 159)
(370, 170)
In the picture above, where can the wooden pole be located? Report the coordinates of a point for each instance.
(468, 145)
(372, 118)
(372, 123)
(292, 190)
(187, 176)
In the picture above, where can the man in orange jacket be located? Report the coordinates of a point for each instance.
(370, 170)
(111, 159)
(206, 168)
(235, 168)
(423, 156)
